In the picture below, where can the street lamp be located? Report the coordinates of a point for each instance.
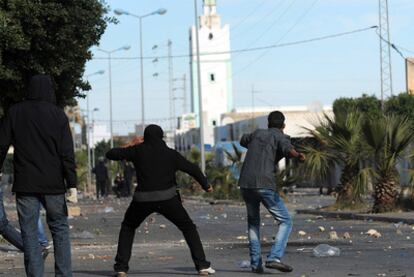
(200, 94)
(109, 53)
(93, 136)
(100, 72)
(140, 17)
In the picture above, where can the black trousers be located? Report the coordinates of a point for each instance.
(174, 211)
(100, 189)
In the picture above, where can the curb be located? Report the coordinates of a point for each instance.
(357, 216)
(294, 243)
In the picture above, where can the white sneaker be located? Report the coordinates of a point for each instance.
(206, 271)
(120, 274)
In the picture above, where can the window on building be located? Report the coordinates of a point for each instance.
(212, 77)
(214, 123)
(210, 36)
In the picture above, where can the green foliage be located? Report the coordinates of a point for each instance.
(81, 157)
(288, 177)
(339, 142)
(402, 105)
(221, 178)
(387, 141)
(48, 37)
(367, 105)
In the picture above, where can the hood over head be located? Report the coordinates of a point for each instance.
(41, 88)
(153, 134)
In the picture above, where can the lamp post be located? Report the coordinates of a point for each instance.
(93, 136)
(140, 17)
(88, 135)
(109, 53)
(200, 94)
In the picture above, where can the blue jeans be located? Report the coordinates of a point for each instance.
(56, 217)
(43, 241)
(275, 205)
(8, 232)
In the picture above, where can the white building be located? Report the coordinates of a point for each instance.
(244, 120)
(215, 67)
(99, 132)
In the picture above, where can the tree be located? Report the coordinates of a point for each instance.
(387, 140)
(367, 105)
(402, 105)
(339, 143)
(48, 37)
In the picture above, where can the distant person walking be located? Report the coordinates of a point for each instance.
(44, 169)
(155, 166)
(129, 172)
(265, 148)
(101, 175)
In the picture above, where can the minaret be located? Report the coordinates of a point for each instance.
(216, 76)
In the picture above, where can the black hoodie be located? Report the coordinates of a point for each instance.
(156, 164)
(39, 131)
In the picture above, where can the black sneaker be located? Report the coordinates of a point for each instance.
(279, 266)
(258, 270)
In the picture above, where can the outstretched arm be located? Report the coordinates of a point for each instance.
(126, 152)
(193, 170)
(119, 154)
(288, 149)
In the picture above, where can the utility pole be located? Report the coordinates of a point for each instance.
(200, 93)
(385, 51)
(171, 88)
(253, 92)
(184, 90)
(184, 94)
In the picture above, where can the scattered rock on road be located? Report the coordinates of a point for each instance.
(302, 233)
(333, 235)
(373, 233)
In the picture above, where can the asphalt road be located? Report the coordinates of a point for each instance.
(159, 249)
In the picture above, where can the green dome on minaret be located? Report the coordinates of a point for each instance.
(209, 2)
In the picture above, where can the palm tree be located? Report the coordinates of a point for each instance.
(387, 140)
(339, 143)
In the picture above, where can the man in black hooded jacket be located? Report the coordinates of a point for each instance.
(44, 169)
(155, 166)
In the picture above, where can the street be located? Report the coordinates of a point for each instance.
(159, 249)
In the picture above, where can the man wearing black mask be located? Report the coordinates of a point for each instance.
(155, 166)
(44, 169)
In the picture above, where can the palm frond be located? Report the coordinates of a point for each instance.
(318, 162)
(362, 180)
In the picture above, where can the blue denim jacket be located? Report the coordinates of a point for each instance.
(265, 149)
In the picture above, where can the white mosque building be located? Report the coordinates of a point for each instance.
(215, 68)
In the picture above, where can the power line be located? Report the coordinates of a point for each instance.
(275, 21)
(405, 49)
(395, 47)
(252, 49)
(281, 38)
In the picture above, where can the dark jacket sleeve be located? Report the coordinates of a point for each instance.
(193, 170)
(119, 154)
(67, 155)
(5, 139)
(246, 139)
(285, 145)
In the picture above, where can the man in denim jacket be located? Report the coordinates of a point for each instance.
(258, 185)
